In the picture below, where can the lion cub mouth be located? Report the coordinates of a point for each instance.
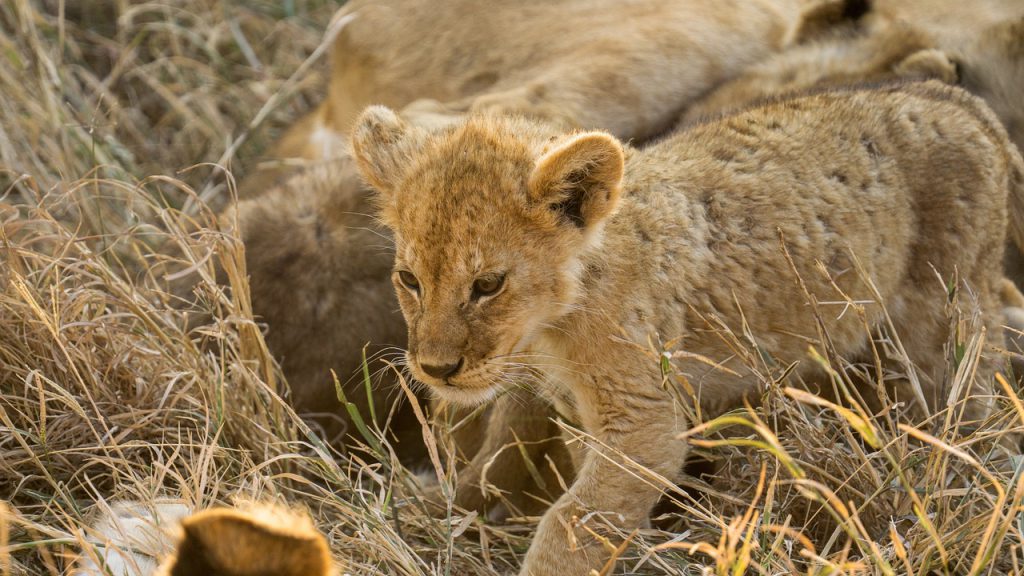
(462, 383)
(465, 394)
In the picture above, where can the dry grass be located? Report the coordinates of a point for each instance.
(110, 111)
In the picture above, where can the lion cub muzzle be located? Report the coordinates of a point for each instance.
(441, 371)
(437, 345)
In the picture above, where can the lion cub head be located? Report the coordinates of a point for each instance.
(250, 542)
(490, 218)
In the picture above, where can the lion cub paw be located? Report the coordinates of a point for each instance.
(529, 101)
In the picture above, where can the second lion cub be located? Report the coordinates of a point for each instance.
(523, 252)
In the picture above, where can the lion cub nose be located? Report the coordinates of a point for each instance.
(442, 371)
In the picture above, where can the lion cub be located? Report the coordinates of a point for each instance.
(319, 263)
(249, 542)
(989, 62)
(523, 252)
(253, 540)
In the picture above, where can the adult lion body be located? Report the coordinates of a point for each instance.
(950, 17)
(629, 66)
(522, 250)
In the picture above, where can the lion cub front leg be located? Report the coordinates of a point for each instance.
(520, 432)
(635, 444)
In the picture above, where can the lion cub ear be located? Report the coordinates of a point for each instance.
(229, 542)
(580, 179)
(380, 144)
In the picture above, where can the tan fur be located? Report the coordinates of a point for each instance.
(1013, 317)
(317, 285)
(912, 179)
(624, 66)
(993, 68)
(824, 18)
(848, 57)
(986, 38)
(992, 60)
(627, 66)
(515, 460)
(319, 266)
(977, 45)
(249, 542)
(949, 17)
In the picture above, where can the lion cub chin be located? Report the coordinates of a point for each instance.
(528, 254)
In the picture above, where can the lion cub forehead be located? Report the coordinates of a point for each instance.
(511, 133)
(452, 258)
(472, 160)
(483, 147)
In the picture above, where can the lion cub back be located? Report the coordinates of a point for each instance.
(983, 54)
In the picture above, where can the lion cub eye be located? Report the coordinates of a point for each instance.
(487, 285)
(409, 280)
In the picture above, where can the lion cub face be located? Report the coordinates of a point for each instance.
(490, 218)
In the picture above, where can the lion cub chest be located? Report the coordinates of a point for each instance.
(560, 376)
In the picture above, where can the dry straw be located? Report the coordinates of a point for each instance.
(108, 391)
